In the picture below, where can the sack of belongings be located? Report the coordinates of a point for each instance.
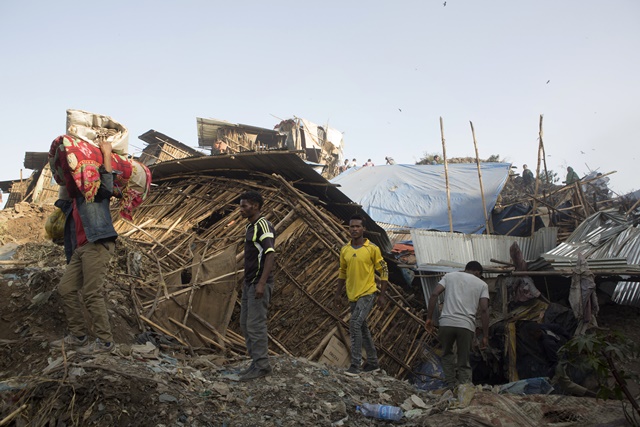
(91, 127)
(54, 226)
(75, 163)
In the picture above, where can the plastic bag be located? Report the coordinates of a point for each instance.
(54, 226)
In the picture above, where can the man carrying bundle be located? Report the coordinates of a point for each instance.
(89, 245)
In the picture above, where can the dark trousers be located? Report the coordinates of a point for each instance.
(456, 367)
(253, 322)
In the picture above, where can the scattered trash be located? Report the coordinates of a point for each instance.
(539, 385)
(40, 299)
(382, 412)
(465, 394)
(146, 351)
(164, 397)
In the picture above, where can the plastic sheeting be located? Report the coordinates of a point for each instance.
(415, 195)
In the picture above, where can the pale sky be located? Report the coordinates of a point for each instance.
(381, 72)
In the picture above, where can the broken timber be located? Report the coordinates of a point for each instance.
(191, 220)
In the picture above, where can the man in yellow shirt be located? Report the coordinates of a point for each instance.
(358, 260)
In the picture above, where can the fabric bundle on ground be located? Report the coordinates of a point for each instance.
(75, 165)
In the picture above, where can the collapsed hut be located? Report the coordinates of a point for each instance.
(162, 148)
(38, 188)
(192, 230)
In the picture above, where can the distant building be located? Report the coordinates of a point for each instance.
(39, 188)
(316, 144)
(162, 148)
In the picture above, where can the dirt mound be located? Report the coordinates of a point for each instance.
(170, 385)
(24, 223)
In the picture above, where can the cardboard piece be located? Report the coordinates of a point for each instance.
(336, 353)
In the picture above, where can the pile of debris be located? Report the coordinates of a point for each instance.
(23, 223)
(163, 384)
(190, 228)
(173, 302)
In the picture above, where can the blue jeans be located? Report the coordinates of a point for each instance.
(359, 331)
(253, 322)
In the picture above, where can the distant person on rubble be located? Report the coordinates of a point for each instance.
(436, 160)
(220, 147)
(464, 292)
(601, 187)
(527, 177)
(390, 161)
(89, 240)
(259, 259)
(353, 164)
(368, 163)
(358, 261)
(572, 176)
(344, 166)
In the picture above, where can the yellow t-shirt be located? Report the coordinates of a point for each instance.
(357, 268)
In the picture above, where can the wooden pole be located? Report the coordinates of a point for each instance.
(537, 186)
(484, 203)
(163, 330)
(446, 175)
(635, 205)
(5, 421)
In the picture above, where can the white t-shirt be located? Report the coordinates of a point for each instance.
(462, 293)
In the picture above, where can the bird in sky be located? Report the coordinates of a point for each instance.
(444, 4)
(548, 81)
(581, 152)
(400, 110)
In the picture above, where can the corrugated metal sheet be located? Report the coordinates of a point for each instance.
(627, 293)
(255, 166)
(395, 233)
(604, 239)
(448, 250)
(428, 285)
(153, 137)
(35, 160)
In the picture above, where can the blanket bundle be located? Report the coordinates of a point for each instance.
(75, 165)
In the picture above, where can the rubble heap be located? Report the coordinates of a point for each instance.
(165, 384)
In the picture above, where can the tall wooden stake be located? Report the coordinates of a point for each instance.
(446, 176)
(484, 203)
(537, 186)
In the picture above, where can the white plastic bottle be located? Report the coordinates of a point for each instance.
(382, 412)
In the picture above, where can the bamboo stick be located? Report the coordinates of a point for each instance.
(188, 329)
(6, 420)
(446, 176)
(484, 203)
(185, 290)
(221, 338)
(306, 205)
(137, 228)
(321, 346)
(635, 205)
(16, 262)
(195, 280)
(163, 330)
(537, 186)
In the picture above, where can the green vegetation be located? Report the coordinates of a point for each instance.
(603, 352)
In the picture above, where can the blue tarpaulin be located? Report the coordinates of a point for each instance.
(415, 195)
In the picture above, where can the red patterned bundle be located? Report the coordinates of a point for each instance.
(75, 165)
